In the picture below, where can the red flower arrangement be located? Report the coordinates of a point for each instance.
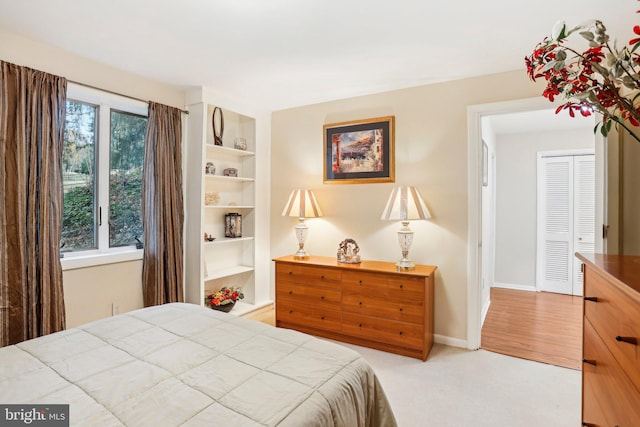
(224, 298)
(602, 78)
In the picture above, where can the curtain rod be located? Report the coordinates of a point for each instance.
(116, 93)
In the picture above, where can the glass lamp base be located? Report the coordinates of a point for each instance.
(405, 264)
(301, 254)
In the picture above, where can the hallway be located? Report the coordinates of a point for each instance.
(540, 326)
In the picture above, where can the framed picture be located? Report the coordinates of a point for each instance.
(359, 152)
(485, 164)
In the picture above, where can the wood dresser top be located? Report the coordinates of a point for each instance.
(373, 266)
(623, 269)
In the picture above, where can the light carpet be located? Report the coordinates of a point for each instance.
(457, 387)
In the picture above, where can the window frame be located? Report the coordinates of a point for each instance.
(105, 102)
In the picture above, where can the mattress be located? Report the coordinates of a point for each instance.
(182, 364)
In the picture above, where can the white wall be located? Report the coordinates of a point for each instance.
(90, 292)
(431, 153)
(630, 195)
(516, 177)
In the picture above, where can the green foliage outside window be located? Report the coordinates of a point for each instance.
(126, 157)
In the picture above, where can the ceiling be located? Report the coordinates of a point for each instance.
(278, 54)
(537, 120)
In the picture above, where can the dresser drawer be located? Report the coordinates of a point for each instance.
(405, 311)
(312, 295)
(308, 316)
(308, 274)
(390, 287)
(607, 383)
(401, 334)
(614, 315)
(592, 413)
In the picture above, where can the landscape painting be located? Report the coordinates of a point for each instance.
(359, 151)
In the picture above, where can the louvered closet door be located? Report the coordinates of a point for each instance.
(584, 214)
(556, 263)
(566, 222)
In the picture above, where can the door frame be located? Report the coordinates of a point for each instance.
(474, 201)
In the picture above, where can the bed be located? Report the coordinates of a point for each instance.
(182, 364)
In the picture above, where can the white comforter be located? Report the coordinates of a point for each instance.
(182, 364)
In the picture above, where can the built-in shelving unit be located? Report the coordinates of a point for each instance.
(223, 261)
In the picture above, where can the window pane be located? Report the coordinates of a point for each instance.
(79, 165)
(125, 178)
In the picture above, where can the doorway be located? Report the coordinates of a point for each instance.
(478, 296)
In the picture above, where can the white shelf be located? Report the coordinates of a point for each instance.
(229, 206)
(223, 261)
(243, 308)
(229, 178)
(226, 272)
(224, 240)
(226, 150)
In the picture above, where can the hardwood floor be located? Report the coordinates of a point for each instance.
(540, 326)
(266, 315)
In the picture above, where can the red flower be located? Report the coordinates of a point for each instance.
(636, 29)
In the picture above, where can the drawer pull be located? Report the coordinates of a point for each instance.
(290, 273)
(401, 286)
(401, 309)
(290, 292)
(322, 277)
(360, 325)
(592, 299)
(630, 340)
(589, 361)
(359, 282)
(322, 318)
(360, 303)
(322, 297)
(400, 332)
(290, 311)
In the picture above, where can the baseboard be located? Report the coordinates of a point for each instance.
(453, 342)
(530, 288)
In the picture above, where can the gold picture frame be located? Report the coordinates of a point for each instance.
(359, 152)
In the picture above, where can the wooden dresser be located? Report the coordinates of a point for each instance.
(611, 356)
(370, 304)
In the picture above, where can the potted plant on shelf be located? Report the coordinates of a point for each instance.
(224, 299)
(604, 78)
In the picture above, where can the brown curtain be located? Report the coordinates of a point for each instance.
(32, 116)
(162, 207)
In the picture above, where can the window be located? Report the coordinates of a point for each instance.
(103, 155)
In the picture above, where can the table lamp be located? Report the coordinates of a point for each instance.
(302, 204)
(405, 203)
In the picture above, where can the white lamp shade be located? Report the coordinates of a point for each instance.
(302, 204)
(405, 203)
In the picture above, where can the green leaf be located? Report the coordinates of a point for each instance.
(588, 35)
(629, 82)
(600, 69)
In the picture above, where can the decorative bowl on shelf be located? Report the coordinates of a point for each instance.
(224, 299)
(225, 308)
